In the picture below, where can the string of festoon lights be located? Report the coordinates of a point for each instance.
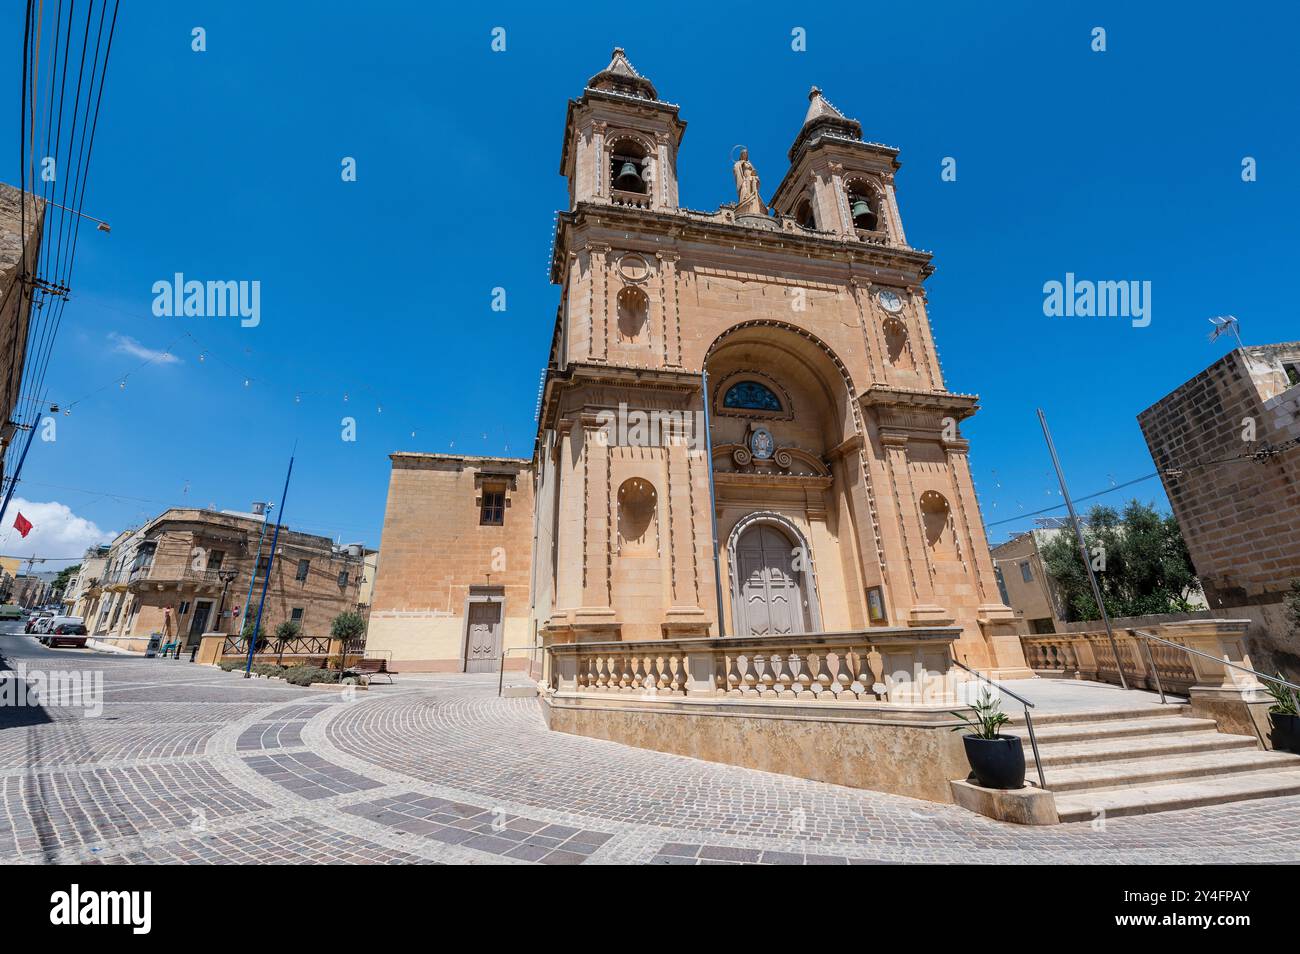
(359, 396)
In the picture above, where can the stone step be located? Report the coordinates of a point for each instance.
(1174, 796)
(1138, 747)
(1054, 733)
(1134, 772)
(1103, 715)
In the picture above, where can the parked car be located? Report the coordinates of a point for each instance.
(35, 620)
(65, 631)
(11, 611)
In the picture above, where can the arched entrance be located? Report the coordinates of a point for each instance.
(772, 588)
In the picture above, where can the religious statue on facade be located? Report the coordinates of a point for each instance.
(748, 201)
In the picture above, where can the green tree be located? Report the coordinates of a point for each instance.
(285, 633)
(347, 626)
(60, 585)
(1142, 564)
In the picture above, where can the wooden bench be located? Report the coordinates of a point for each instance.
(371, 667)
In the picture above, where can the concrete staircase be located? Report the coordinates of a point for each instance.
(1153, 759)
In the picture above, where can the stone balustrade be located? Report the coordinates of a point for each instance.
(900, 666)
(1089, 655)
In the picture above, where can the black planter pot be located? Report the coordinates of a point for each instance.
(1286, 732)
(997, 763)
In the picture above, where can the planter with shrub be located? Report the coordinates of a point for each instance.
(1285, 715)
(996, 760)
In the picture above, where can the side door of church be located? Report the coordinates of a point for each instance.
(483, 639)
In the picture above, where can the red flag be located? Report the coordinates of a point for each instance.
(22, 524)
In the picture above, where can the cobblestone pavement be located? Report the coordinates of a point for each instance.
(187, 764)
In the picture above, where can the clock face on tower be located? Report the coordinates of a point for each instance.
(889, 301)
(761, 444)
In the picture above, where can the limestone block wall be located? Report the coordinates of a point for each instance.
(1241, 521)
(438, 556)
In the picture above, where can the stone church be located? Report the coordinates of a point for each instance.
(741, 407)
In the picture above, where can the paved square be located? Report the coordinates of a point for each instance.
(191, 765)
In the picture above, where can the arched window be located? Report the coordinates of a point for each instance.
(637, 528)
(751, 396)
(803, 214)
(940, 535)
(864, 206)
(628, 162)
(896, 344)
(633, 308)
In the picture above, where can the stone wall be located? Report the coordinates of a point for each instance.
(438, 557)
(1241, 520)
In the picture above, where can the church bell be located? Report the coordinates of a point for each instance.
(863, 217)
(629, 178)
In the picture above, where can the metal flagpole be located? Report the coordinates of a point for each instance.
(270, 563)
(713, 501)
(1083, 548)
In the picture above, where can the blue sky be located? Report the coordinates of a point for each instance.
(225, 164)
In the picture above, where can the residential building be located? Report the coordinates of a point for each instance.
(1024, 582)
(77, 596)
(19, 255)
(189, 571)
(29, 591)
(837, 495)
(1227, 444)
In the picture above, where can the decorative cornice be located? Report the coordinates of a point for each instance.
(959, 406)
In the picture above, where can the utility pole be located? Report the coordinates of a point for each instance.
(1083, 548)
(270, 562)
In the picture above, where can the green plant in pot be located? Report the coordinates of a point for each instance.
(1285, 713)
(998, 761)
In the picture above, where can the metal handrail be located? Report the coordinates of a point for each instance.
(1196, 652)
(1029, 720)
(501, 674)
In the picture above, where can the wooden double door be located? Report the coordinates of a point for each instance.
(483, 637)
(770, 588)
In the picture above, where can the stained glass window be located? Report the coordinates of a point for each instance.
(751, 396)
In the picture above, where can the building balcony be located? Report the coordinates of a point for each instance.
(174, 575)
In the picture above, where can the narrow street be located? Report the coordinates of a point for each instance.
(188, 764)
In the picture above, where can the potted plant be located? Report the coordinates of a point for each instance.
(997, 761)
(1285, 715)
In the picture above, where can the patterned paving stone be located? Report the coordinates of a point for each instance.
(190, 765)
(309, 775)
(293, 841)
(271, 735)
(483, 829)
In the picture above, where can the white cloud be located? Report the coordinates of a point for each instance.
(56, 532)
(125, 344)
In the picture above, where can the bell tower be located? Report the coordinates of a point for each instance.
(620, 141)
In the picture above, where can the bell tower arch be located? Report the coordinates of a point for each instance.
(621, 140)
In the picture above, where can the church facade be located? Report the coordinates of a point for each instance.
(743, 430)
